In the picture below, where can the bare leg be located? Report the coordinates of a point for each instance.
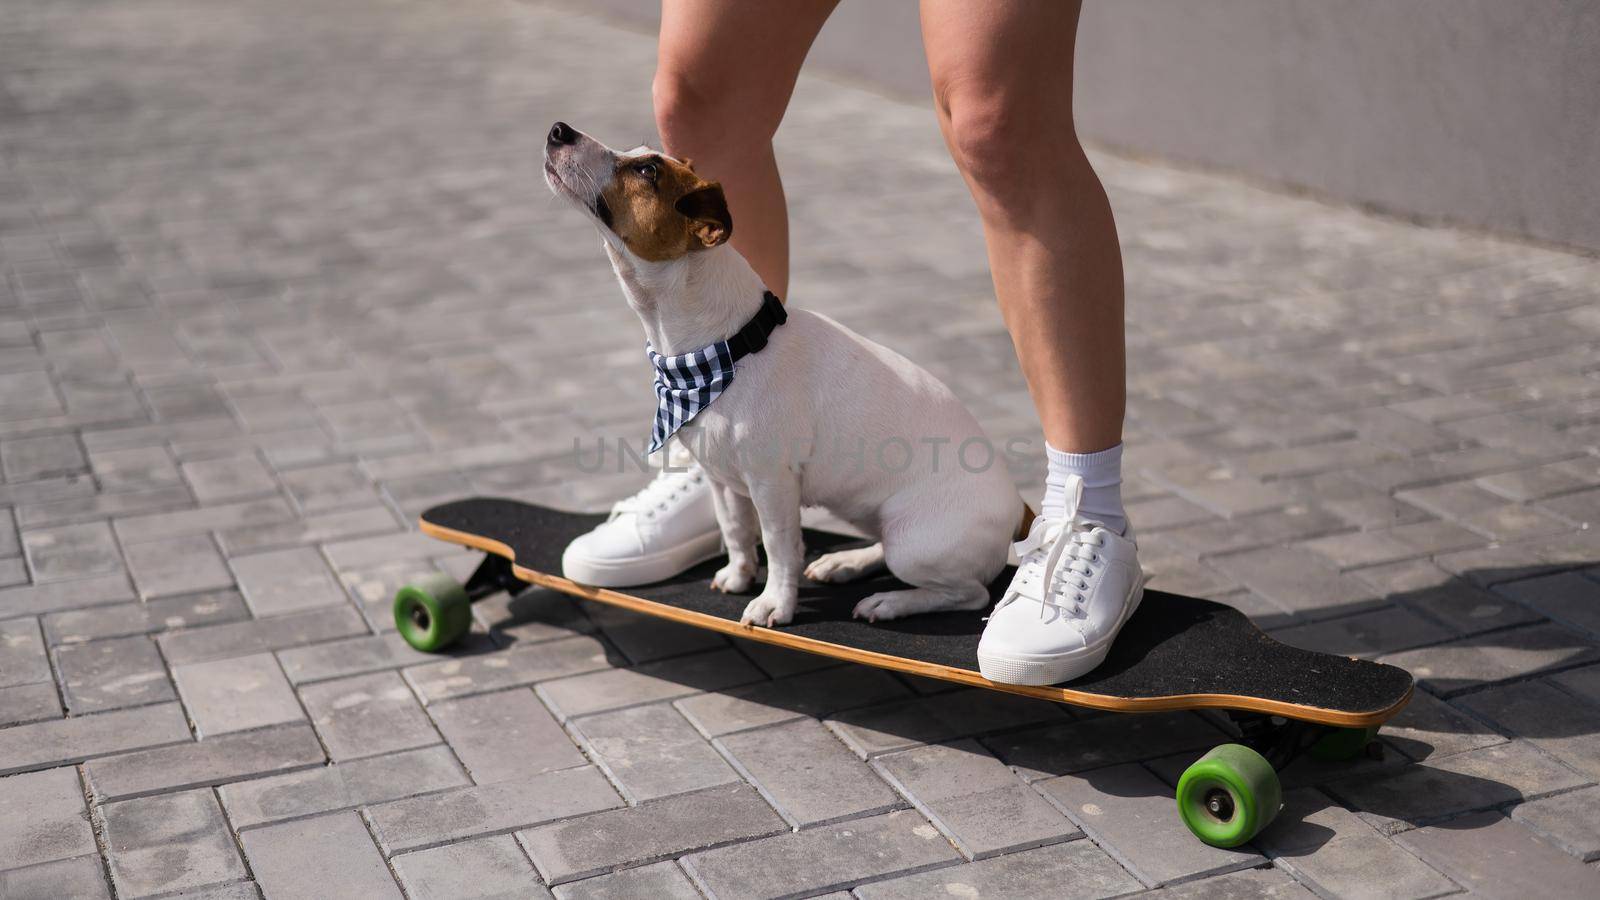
(726, 71)
(1002, 80)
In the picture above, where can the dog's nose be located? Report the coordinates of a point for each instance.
(562, 133)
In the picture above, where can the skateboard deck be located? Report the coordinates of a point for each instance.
(1176, 652)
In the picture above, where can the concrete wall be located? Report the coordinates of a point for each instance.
(1484, 113)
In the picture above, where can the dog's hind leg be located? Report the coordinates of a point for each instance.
(846, 565)
(910, 602)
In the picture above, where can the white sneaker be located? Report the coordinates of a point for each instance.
(1076, 586)
(668, 527)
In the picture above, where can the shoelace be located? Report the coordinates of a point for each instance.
(1057, 559)
(658, 494)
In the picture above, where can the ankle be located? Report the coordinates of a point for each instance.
(1101, 473)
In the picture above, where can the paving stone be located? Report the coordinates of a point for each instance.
(367, 552)
(92, 507)
(286, 581)
(1449, 669)
(236, 694)
(1429, 728)
(643, 638)
(648, 683)
(59, 741)
(169, 843)
(489, 809)
(1568, 597)
(22, 654)
(810, 694)
(532, 616)
(133, 469)
(346, 785)
(179, 565)
(220, 517)
(1298, 581)
(807, 775)
(321, 488)
(781, 662)
(365, 715)
(45, 818)
(1250, 884)
(81, 878)
(112, 674)
(1331, 848)
(962, 713)
(127, 619)
(651, 751)
(505, 735)
(255, 636)
(663, 880)
(659, 829)
(1565, 820)
(228, 478)
(1546, 718)
(1584, 682)
(1101, 741)
(820, 859)
(29, 703)
(328, 856)
(973, 798)
(1074, 869)
(1437, 789)
(484, 868)
(517, 666)
(1128, 810)
(358, 655)
(86, 592)
(67, 552)
(229, 757)
(1496, 857)
(314, 529)
(1366, 634)
(49, 456)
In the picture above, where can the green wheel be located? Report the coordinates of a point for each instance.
(1229, 795)
(1342, 743)
(432, 613)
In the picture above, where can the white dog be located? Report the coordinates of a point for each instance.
(817, 416)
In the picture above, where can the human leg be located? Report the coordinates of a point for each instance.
(725, 73)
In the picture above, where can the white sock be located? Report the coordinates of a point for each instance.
(1102, 486)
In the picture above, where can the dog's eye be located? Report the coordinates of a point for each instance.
(648, 170)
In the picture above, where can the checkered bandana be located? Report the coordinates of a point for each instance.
(688, 383)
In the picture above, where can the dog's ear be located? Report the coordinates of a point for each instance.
(707, 211)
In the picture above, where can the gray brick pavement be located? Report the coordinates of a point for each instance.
(273, 278)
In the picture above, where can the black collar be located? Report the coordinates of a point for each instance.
(753, 336)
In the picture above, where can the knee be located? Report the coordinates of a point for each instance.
(1009, 147)
(695, 111)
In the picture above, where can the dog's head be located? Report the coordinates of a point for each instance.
(651, 204)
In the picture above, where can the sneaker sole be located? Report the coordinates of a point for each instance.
(1043, 670)
(637, 570)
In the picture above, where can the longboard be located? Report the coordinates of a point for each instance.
(1175, 653)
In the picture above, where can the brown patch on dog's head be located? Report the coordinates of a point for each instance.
(661, 209)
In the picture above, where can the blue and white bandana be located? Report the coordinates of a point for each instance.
(688, 383)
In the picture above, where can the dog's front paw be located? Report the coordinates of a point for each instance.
(734, 578)
(764, 610)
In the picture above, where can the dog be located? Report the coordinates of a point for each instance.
(887, 447)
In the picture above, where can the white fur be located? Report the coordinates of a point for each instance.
(817, 385)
